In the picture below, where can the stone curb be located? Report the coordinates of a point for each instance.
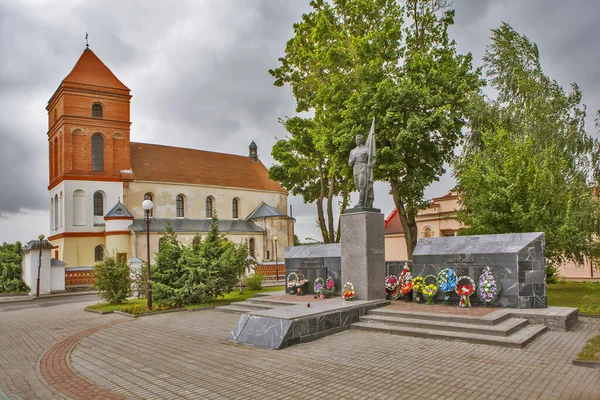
(587, 364)
(154, 313)
(147, 314)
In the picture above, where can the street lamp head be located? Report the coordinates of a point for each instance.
(147, 205)
(41, 237)
(275, 238)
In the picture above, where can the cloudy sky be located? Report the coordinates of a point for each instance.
(198, 74)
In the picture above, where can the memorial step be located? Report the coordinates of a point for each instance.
(487, 320)
(265, 301)
(504, 328)
(518, 339)
(244, 307)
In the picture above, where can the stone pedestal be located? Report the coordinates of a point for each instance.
(363, 252)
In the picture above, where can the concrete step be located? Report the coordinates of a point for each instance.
(244, 307)
(517, 340)
(268, 294)
(504, 328)
(266, 301)
(488, 320)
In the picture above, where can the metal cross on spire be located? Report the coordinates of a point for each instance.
(86, 40)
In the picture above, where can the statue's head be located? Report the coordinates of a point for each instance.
(359, 139)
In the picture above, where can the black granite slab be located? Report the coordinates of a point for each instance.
(281, 327)
(518, 261)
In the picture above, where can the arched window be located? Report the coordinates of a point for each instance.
(427, 232)
(51, 214)
(55, 211)
(61, 210)
(251, 247)
(78, 207)
(99, 253)
(98, 204)
(180, 205)
(97, 110)
(234, 208)
(209, 207)
(148, 196)
(97, 152)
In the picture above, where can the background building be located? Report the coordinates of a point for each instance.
(439, 219)
(98, 180)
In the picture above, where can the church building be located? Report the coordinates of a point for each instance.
(98, 179)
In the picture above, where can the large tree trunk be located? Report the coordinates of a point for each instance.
(345, 200)
(321, 216)
(408, 221)
(330, 226)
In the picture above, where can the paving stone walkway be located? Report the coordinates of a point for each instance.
(27, 334)
(186, 356)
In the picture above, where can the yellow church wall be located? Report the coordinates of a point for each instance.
(79, 251)
(118, 243)
(165, 194)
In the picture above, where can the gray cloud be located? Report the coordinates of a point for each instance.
(198, 74)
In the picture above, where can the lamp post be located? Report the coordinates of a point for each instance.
(276, 264)
(37, 293)
(147, 206)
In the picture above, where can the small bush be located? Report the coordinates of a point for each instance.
(254, 282)
(113, 282)
(10, 269)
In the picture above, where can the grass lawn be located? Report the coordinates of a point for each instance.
(583, 295)
(229, 298)
(591, 351)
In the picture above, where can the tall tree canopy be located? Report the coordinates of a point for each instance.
(528, 162)
(352, 60)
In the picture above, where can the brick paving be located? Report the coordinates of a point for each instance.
(186, 356)
(55, 368)
(26, 334)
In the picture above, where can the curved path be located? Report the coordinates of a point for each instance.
(27, 333)
(185, 356)
(63, 352)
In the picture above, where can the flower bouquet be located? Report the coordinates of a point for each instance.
(489, 288)
(430, 289)
(407, 283)
(319, 286)
(292, 281)
(465, 288)
(348, 291)
(301, 285)
(296, 284)
(418, 288)
(391, 287)
(329, 287)
(447, 281)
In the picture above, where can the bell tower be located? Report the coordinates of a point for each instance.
(88, 143)
(88, 124)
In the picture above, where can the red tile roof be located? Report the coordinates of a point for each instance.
(90, 70)
(393, 224)
(151, 162)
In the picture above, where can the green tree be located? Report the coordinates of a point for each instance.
(351, 60)
(304, 170)
(167, 273)
(212, 266)
(11, 278)
(527, 163)
(112, 280)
